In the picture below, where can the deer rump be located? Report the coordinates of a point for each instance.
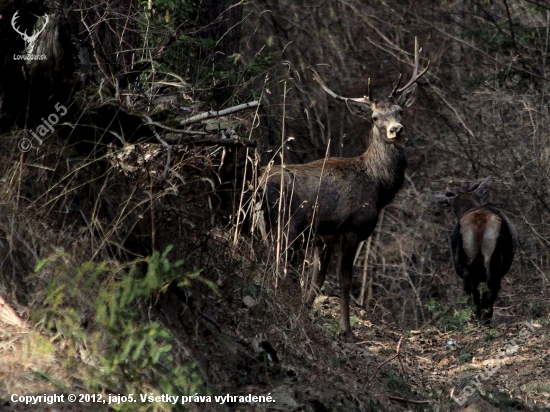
(483, 246)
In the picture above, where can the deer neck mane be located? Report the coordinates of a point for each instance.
(384, 164)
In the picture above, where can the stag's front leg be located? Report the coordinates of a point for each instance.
(349, 247)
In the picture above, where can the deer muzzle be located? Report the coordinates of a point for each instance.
(394, 131)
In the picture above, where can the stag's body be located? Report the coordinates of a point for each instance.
(337, 200)
(344, 194)
(483, 244)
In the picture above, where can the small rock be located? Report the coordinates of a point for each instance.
(249, 301)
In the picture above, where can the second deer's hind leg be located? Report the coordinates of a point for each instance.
(471, 287)
(490, 239)
(489, 297)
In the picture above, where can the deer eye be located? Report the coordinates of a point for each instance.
(375, 119)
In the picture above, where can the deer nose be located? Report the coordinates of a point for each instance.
(396, 130)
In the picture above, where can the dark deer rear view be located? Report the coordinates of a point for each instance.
(483, 244)
(337, 200)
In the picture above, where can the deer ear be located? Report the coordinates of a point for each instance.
(442, 200)
(484, 187)
(407, 97)
(357, 108)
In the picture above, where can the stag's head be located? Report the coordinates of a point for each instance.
(385, 114)
(472, 197)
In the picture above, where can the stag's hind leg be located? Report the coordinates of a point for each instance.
(349, 247)
(324, 254)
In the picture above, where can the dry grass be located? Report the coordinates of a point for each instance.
(28, 362)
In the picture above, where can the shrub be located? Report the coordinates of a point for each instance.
(96, 312)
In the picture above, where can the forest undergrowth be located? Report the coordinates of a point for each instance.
(133, 262)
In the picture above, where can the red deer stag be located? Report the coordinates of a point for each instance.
(483, 244)
(339, 199)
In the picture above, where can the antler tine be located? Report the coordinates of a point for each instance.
(416, 76)
(369, 94)
(366, 100)
(46, 21)
(396, 85)
(13, 23)
(37, 32)
(325, 88)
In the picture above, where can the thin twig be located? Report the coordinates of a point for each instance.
(212, 141)
(386, 361)
(240, 211)
(219, 113)
(395, 398)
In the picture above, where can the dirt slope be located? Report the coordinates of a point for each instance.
(475, 369)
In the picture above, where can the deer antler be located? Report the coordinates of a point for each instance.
(364, 100)
(36, 33)
(13, 22)
(415, 77)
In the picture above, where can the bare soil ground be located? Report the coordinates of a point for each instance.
(484, 369)
(499, 368)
